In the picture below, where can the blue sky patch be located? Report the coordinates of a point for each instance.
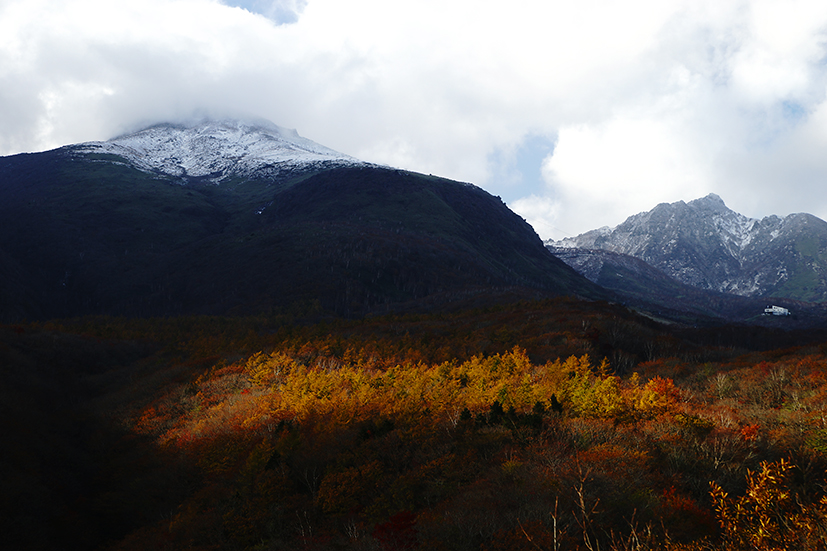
(281, 12)
(518, 172)
(793, 111)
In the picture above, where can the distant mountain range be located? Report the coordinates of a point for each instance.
(705, 245)
(244, 217)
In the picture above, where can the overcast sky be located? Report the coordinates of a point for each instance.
(578, 114)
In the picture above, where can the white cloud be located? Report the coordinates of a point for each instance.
(725, 109)
(613, 168)
(543, 212)
(649, 100)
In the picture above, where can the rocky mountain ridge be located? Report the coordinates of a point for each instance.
(705, 244)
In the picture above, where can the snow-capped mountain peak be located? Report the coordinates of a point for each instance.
(215, 149)
(706, 244)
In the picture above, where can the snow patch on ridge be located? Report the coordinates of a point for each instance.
(216, 149)
(736, 230)
(585, 240)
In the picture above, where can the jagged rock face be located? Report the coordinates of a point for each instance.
(705, 244)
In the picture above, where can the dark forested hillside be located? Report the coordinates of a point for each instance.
(91, 234)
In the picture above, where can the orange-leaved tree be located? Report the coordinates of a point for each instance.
(771, 515)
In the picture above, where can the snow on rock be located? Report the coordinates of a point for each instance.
(586, 240)
(706, 244)
(214, 149)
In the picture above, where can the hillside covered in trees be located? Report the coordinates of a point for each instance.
(551, 425)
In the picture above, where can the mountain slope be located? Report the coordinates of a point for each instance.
(642, 286)
(705, 244)
(92, 231)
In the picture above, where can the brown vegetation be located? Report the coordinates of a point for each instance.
(509, 428)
